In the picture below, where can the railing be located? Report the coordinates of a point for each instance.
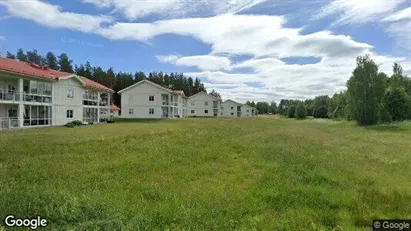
(31, 97)
(8, 123)
(165, 103)
(104, 103)
(36, 122)
(9, 95)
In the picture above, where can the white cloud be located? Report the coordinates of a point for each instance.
(167, 58)
(400, 15)
(52, 16)
(2, 38)
(133, 9)
(356, 12)
(202, 62)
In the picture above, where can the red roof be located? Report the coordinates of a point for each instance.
(40, 72)
(113, 107)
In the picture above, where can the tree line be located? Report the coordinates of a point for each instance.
(109, 78)
(371, 97)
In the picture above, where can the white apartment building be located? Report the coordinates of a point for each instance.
(35, 96)
(204, 105)
(231, 108)
(146, 99)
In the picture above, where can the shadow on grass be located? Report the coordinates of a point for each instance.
(390, 127)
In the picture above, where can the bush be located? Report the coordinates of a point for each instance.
(300, 112)
(385, 116)
(397, 102)
(320, 112)
(74, 123)
(291, 111)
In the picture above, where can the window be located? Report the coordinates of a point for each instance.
(70, 114)
(151, 111)
(248, 110)
(70, 93)
(221, 113)
(130, 111)
(192, 111)
(232, 113)
(151, 98)
(206, 111)
(232, 108)
(222, 108)
(206, 103)
(192, 103)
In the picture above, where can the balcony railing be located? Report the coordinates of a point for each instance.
(165, 103)
(29, 97)
(9, 122)
(9, 95)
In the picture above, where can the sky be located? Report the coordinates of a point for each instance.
(259, 50)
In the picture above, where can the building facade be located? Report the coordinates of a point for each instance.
(231, 108)
(204, 105)
(148, 100)
(35, 96)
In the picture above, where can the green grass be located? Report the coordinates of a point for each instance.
(264, 173)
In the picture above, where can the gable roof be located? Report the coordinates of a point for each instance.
(233, 102)
(35, 71)
(205, 93)
(113, 107)
(177, 92)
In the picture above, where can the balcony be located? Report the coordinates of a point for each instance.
(8, 95)
(165, 103)
(10, 122)
(36, 98)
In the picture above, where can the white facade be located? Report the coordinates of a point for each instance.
(31, 102)
(247, 111)
(204, 105)
(230, 108)
(148, 100)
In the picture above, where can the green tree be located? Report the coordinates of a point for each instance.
(139, 76)
(262, 107)
(51, 61)
(273, 108)
(291, 111)
(300, 111)
(10, 55)
(365, 90)
(65, 64)
(320, 109)
(33, 57)
(21, 56)
(397, 103)
(215, 94)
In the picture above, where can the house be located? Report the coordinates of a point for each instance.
(247, 110)
(230, 108)
(114, 110)
(35, 96)
(146, 99)
(204, 105)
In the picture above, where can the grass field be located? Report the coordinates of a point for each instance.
(263, 173)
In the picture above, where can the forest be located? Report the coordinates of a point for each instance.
(371, 97)
(110, 78)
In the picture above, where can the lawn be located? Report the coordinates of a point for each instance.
(264, 173)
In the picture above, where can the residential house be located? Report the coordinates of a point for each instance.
(204, 105)
(146, 99)
(247, 110)
(35, 96)
(230, 108)
(114, 110)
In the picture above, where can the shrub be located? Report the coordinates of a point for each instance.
(74, 123)
(300, 112)
(320, 112)
(397, 102)
(385, 116)
(291, 111)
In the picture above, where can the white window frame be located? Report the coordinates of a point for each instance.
(192, 103)
(151, 111)
(232, 108)
(205, 111)
(70, 96)
(193, 111)
(205, 103)
(68, 114)
(151, 98)
(130, 111)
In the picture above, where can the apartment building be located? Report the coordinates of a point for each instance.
(231, 108)
(146, 99)
(204, 105)
(36, 96)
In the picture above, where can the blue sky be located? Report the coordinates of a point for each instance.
(245, 49)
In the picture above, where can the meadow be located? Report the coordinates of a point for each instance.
(263, 173)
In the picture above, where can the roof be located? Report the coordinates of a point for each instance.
(232, 101)
(113, 107)
(40, 72)
(177, 92)
(203, 92)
